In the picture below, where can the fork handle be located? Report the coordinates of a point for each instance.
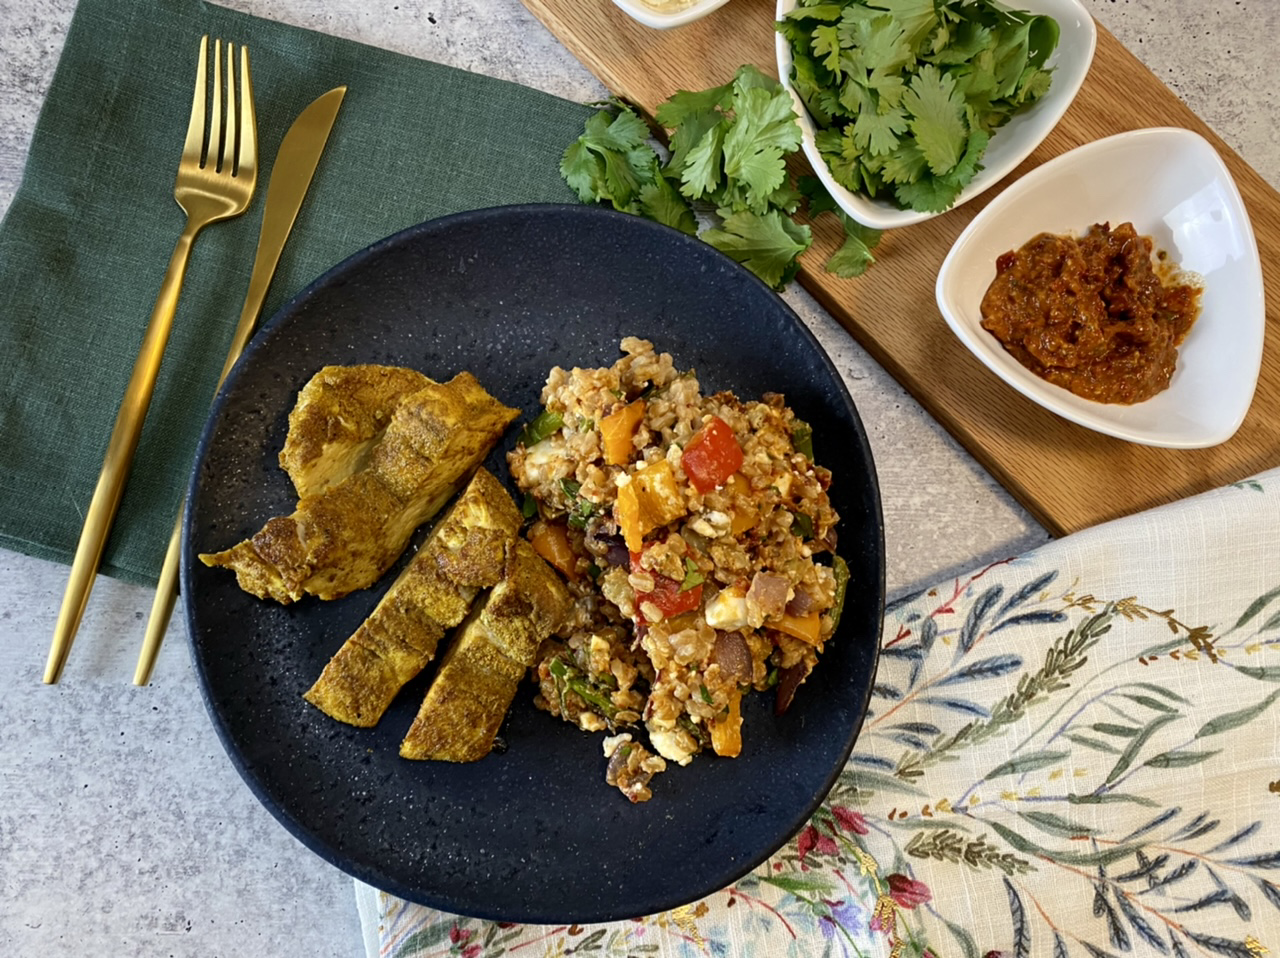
(119, 457)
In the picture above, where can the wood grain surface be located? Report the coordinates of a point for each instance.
(1067, 476)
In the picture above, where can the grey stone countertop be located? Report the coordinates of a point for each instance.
(124, 829)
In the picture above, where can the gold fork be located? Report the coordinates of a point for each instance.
(214, 183)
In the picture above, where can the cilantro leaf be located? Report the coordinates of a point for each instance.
(688, 135)
(826, 47)
(966, 41)
(817, 11)
(626, 132)
(817, 198)
(971, 162)
(748, 77)
(768, 244)
(878, 132)
(703, 164)
(847, 162)
(621, 184)
(764, 128)
(938, 193)
(785, 198)
(938, 118)
(1012, 49)
(611, 161)
(1034, 85)
(856, 97)
(905, 164)
(661, 201)
(817, 98)
(583, 170)
(854, 256)
(683, 105)
(878, 44)
(888, 87)
(918, 17)
(763, 119)
(929, 194)
(762, 173)
(1042, 39)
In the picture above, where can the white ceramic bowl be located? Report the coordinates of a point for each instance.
(650, 17)
(1172, 185)
(1009, 146)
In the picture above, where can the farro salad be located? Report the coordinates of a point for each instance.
(689, 528)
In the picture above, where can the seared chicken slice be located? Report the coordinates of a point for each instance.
(339, 416)
(481, 671)
(465, 552)
(346, 537)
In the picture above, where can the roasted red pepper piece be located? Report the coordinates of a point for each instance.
(666, 595)
(712, 455)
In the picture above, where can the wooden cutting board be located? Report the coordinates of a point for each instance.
(1068, 477)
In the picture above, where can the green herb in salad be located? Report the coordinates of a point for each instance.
(544, 425)
(907, 93)
(570, 679)
(802, 439)
(580, 509)
(692, 575)
(841, 570)
(728, 151)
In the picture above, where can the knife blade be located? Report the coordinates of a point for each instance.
(291, 176)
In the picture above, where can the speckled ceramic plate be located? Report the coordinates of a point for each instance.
(531, 834)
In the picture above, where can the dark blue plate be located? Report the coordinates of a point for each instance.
(531, 834)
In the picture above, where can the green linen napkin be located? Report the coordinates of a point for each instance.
(86, 241)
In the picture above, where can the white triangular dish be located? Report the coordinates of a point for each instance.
(1173, 186)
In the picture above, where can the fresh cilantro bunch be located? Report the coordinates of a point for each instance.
(907, 93)
(727, 161)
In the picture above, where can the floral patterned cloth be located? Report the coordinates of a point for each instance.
(1071, 753)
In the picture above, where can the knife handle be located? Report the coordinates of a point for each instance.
(167, 586)
(161, 606)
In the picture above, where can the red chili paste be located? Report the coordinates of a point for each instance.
(1092, 313)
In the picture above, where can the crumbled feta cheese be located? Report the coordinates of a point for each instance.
(541, 460)
(667, 745)
(612, 742)
(712, 524)
(727, 611)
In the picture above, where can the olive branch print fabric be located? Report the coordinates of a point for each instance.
(1071, 753)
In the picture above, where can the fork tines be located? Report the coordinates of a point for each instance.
(199, 145)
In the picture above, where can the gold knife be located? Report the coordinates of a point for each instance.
(291, 175)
